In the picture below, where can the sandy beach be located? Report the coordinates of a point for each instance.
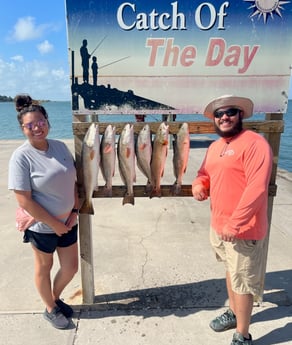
(156, 279)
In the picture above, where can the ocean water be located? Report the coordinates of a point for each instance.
(60, 116)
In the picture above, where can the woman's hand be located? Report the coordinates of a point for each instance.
(71, 220)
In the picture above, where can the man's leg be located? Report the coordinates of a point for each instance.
(241, 305)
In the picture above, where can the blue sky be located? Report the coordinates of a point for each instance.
(33, 49)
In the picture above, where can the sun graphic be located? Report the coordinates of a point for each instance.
(264, 8)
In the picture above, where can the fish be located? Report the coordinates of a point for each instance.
(144, 154)
(159, 155)
(90, 156)
(108, 158)
(126, 160)
(181, 149)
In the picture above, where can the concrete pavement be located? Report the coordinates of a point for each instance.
(156, 278)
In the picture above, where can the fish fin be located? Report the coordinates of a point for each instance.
(128, 199)
(107, 148)
(87, 207)
(142, 147)
(128, 152)
(92, 155)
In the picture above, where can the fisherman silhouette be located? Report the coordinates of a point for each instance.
(94, 67)
(85, 56)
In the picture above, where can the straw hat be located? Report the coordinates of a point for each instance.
(242, 103)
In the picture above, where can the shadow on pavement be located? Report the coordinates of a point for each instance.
(165, 300)
(186, 299)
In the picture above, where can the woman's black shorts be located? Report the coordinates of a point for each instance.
(49, 242)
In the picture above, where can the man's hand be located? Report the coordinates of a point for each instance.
(228, 235)
(200, 193)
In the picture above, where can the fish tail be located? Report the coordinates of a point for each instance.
(107, 191)
(156, 192)
(87, 207)
(176, 188)
(149, 187)
(128, 199)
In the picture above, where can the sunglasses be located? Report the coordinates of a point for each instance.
(229, 112)
(31, 125)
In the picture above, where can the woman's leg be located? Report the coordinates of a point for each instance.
(43, 263)
(68, 258)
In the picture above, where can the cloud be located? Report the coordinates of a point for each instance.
(40, 79)
(26, 29)
(45, 47)
(17, 58)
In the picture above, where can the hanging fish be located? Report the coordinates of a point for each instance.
(108, 158)
(181, 149)
(160, 149)
(144, 154)
(90, 156)
(126, 158)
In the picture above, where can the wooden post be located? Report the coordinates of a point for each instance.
(86, 257)
(274, 141)
(85, 235)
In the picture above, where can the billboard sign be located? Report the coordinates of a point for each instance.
(143, 57)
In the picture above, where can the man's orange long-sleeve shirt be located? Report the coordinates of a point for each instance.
(237, 172)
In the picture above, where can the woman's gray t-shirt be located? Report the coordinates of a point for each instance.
(49, 175)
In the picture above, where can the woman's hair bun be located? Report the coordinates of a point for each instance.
(23, 101)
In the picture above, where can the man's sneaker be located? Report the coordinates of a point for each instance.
(65, 308)
(56, 318)
(239, 339)
(224, 322)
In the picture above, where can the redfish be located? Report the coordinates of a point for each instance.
(181, 149)
(160, 149)
(90, 166)
(108, 158)
(144, 154)
(126, 158)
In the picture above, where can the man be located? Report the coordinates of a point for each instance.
(235, 174)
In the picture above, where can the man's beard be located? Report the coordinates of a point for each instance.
(232, 132)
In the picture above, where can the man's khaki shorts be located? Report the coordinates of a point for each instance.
(245, 262)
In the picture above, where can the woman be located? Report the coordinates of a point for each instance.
(43, 176)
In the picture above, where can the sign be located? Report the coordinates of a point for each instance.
(174, 57)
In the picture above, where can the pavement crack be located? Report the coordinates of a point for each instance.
(141, 242)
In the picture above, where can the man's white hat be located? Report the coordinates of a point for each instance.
(242, 103)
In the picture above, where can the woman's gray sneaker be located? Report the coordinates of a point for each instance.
(224, 322)
(65, 308)
(56, 318)
(238, 339)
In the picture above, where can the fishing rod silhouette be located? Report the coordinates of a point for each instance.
(98, 45)
(111, 63)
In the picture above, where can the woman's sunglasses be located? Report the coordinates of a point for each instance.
(31, 125)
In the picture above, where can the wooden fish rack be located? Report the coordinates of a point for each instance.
(200, 127)
(271, 128)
